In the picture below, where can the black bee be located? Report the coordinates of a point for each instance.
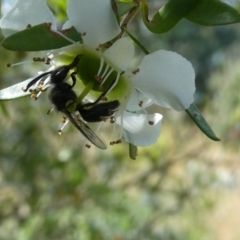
(62, 93)
(59, 74)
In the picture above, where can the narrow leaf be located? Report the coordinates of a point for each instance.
(15, 91)
(199, 120)
(39, 38)
(212, 13)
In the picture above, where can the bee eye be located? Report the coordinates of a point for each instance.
(59, 74)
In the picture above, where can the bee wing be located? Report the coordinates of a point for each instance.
(85, 130)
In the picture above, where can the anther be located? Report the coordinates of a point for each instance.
(140, 103)
(48, 25)
(29, 25)
(88, 146)
(64, 119)
(112, 143)
(60, 132)
(41, 84)
(151, 123)
(8, 65)
(118, 141)
(98, 78)
(136, 71)
(24, 89)
(34, 96)
(48, 61)
(112, 119)
(49, 111)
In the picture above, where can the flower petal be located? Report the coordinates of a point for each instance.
(15, 91)
(24, 13)
(120, 54)
(138, 131)
(94, 18)
(167, 78)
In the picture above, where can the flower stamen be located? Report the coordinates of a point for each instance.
(34, 96)
(140, 104)
(136, 71)
(50, 111)
(112, 143)
(64, 119)
(114, 131)
(63, 126)
(112, 119)
(106, 77)
(101, 66)
(151, 123)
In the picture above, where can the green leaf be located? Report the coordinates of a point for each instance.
(168, 16)
(132, 151)
(39, 38)
(199, 120)
(15, 91)
(125, 7)
(212, 13)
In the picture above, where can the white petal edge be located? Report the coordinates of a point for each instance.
(138, 131)
(23, 13)
(15, 91)
(95, 18)
(167, 78)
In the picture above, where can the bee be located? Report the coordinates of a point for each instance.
(58, 75)
(62, 93)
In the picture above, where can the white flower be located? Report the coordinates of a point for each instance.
(163, 78)
(93, 18)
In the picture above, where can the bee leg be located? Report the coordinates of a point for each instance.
(73, 78)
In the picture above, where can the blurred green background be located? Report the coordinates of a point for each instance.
(183, 187)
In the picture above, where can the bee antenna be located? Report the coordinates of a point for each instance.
(36, 79)
(75, 61)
